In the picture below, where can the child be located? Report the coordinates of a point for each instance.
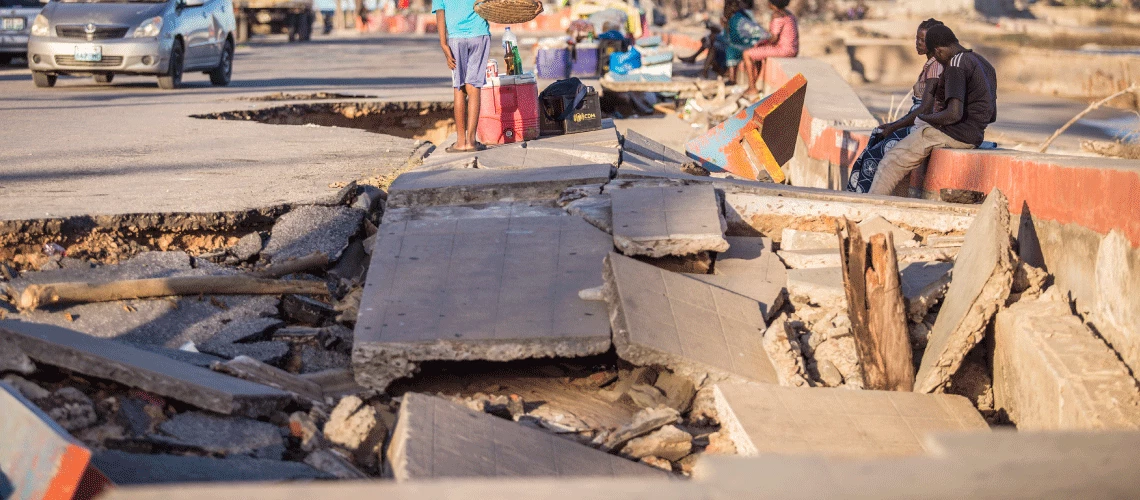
(466, 42)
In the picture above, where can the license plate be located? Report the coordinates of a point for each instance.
(13, 24)
(88, 53)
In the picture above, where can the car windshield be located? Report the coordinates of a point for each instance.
(20, 3)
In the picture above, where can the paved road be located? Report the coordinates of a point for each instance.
(128, 147)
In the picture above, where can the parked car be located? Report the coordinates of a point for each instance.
(16, 18)
(103, 38)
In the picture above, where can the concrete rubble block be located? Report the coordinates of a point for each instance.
(145, 370)
(923, 284)
(1116, 313)
(668, 442)
(982, 280)
(332, 463)
(661, 221)
(309, 229)
(136, 469)
(521, 208)
(695, 329)
(248, 246)
(595, 209)
(784, 350)
(479, 289)
(1051, 372)
(247, 368)
(435, 438)
(39, 459)
(749, 207)
(809, 259)
(644, 421)
(638, 144)
(794, 239)
(878, 225)
(465, 186)
(764, 419)
(356, 426)
(223, 435)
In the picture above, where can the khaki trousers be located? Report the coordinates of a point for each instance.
(909, 155)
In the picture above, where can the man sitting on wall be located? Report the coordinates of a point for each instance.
(966, 96)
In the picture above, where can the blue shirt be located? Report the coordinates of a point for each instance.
(462, 21)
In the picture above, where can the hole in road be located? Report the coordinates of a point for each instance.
(426, 121)
(315, 96)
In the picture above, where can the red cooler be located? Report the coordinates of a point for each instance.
(508, 111)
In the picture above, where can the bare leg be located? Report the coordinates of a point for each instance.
(461, 120)
(472, 114)
(752, 70)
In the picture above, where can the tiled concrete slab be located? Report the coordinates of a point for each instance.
(982, 280)
(635, 166)
(750, 268)
(765, 419)
(667, 220)
(489, 289)
(584, 152)
(695, 329)
(38, 458)
(496, 209)
(435, 438)
(638, 144)
(606, 137)
(464, 186)
(145, 370)
(1051, 372)
(136, 469)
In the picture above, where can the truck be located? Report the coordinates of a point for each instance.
(264, 17)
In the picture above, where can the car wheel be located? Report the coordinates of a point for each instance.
(220, 76)
(43, 79)
(293, 26)
(104, 78)
(173, 77)
(307, 26)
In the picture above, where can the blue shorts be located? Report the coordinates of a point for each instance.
(471, 55)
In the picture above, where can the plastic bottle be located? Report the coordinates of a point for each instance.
(518, 60)
(511, 52)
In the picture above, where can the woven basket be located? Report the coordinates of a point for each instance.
(508, 11)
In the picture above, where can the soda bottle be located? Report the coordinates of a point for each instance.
(518, 59)
(511, 52)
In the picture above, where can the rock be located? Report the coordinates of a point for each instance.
(794, 239)
(368, 199)
(315, 359)
(658, 462)
(679, 391)
(557, 420)
(302, 426)
(305, 310)
(335, 382)
(644, 422)
(720, 444)
(646, 396)
(330, 462)
(12, 359)
(139, 416)
(594, 294)
(348, 306)
(668, 442)
(309, 229)
(70, 408)
(27, 388)
(829, 374)
(784, 350)
(248, 246)
(355, 426)
(1028, 283)
(225, 435)
(703, 411)
(973, 381)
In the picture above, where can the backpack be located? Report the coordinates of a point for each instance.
(570, 89)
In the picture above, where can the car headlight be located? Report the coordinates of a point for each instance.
(40, 26)
(149, 28)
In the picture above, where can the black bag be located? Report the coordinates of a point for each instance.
(568, 107)
(562, 90)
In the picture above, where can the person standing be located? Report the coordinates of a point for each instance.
(784, 42)
(466, 42)
(966, 96)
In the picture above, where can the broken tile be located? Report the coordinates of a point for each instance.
(795, 239)
(435, 438)
(225, 435)
(142, 369)
(455, 187)
(131, 468)
(309, 229)
(982, 279)
(490, 289)
(764, 419)
(38, 457)
(661, 221)
(644, 421)
(695, 329)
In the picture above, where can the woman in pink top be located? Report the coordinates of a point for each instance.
(785, 42)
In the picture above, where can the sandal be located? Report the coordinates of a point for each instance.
(479, 147)
(453, 149)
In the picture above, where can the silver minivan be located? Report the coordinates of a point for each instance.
(15, 20)
(102, 38)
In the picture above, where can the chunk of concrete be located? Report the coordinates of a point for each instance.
(982, 280)
(137, 469)
(795, 239)
(142, 369)
(644, 421)
(487, 289)
(1051, 372)
(695, 329)
(763, 419)
(634, 166)
(38, 458)
(661, 221)
(248, 246)
(435, 438)
(309, 229)
(668, 442)
(809, 259)
(820, 286)
(878, 225)
(522, 208)
(1116, 313)
(595, 209)
(225, 435)
(465, 186)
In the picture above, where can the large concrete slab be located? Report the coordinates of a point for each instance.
(435, 438)
(463, 186)
(38, 458)
(490, 289)
(695, 329)
(1051, 372)
(764, 419)
(635, 166)
(638, 144)
(750, 268)
(473, 211)
(141, 369)
(310, 229)
(657, 221)
(983, 274)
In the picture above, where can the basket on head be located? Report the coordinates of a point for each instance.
(508, 11)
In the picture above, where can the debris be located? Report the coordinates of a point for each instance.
(878, 225)
(597, 209)
(224, 435)
(302, 426)
(592, 294)
(131, 468)
(875, 308)
(331, 463)
(270, 352)
(69, 408)
(765, 419)
(35, 296)
(783, 349)
(657, 221)
(795, 239)
(354, 425)
(668, 442)
(808, 259)
(720, 443)
(281, 268)
(142, 369)
(657, 462)
(679, 391)
(982, 279)
(437, 439)
(39, 458)
(248, 246)
(459, 186)
(829, 374)
(311, 229)
(253, 370)
(646, 396)
(316, 359)
(306, 311)
(335, 382)
(558, 421)
(710, 331)
(12, 359)
(644, 422)
(1028, 283)
(25, 387)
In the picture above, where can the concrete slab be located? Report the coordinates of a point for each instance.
(592, 154)
(224, 436)
(769, 208)
(435, 438)
(826, 257)
(793, 239)
(310, 229)
(142, 369)
(983, 277)
(597, 209)
(490, 289)
(473, 211)
(1051, 372)
(750, 268)
(38, 458)
(136, 469)
(661, 221)
(638, 144)
(635, 166)
(606, 137)
(463, 186)
(765, 419)
(695, 329)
